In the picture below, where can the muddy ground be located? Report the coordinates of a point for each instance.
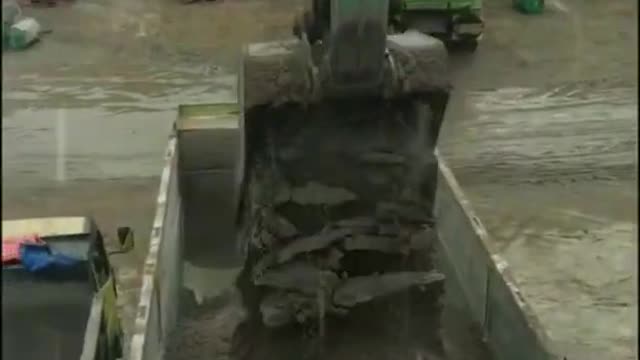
(560, 201)
(86, 113)
(546, 148)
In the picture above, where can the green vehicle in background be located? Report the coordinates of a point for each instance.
(458, 23)
(529, 7)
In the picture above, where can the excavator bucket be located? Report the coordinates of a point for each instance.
(336, 192)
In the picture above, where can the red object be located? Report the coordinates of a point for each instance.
(39, 3)
(11, 247)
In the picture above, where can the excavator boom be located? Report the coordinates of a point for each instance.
(352, 36)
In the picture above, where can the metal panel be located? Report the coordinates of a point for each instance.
(169, 269)
(191, 160)
(510, 327)
(467, 255)
(153, 345)
(92, 333)
(157, 309)
(207, 136)
(47, 227)
(508, 321)
(426, 5)
(210, 208)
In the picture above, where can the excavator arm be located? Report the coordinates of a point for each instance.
(352, 35)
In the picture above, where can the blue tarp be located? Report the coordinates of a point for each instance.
(39, 258)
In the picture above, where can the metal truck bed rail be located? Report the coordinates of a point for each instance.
(493, 297)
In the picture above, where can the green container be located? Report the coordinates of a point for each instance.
(529, 6)
(10, 12)
(22, 34)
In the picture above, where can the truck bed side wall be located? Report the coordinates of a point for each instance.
(483, 278)
(494, 300)
(158, 306)
(196, 179)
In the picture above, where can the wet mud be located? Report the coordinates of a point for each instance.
(208, 331)
(551, 172)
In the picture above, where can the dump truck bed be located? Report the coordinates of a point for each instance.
(551, 174)
(52, 316)
(184, 309)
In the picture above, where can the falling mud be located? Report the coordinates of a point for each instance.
(338, 227)
(313, 227)
(209, 331)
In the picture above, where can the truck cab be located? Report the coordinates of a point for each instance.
(58, 311)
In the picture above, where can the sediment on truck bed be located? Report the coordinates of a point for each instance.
(336, 223)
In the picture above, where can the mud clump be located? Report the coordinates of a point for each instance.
(337, 228)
